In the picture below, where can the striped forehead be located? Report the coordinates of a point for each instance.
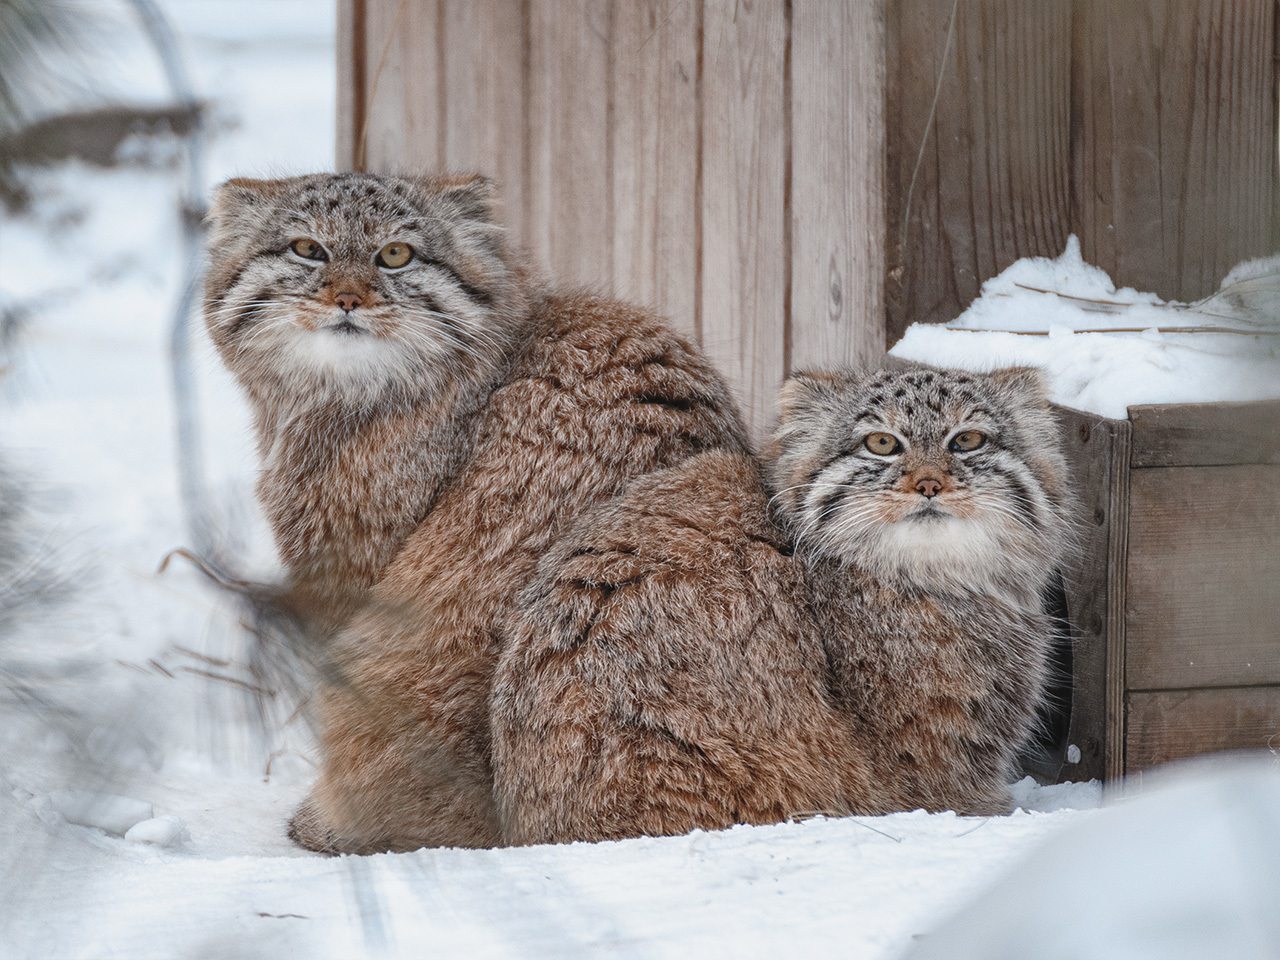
(921, 402)
(361, 213)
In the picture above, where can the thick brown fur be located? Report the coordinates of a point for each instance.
(414, 485)
(695, 656)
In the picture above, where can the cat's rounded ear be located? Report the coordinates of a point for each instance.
(1028, 382)
(239, 199)
(805, 390)
(472, 195)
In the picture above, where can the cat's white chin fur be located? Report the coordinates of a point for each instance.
(946, 554)
(332, 352)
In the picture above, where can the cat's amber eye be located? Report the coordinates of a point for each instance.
(969, 440)
(883, 444)
(308, 249)
(394, 255)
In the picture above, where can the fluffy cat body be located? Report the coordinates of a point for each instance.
(429, 429)
(678, 666)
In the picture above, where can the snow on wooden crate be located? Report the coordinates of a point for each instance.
(1172, 602)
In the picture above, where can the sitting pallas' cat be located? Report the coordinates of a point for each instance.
(694, 655)
(431, 421)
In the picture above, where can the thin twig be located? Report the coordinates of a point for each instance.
(263, 691)
(213, 573)
(212, 661)
(1045, 333)
(928, 125)
(972, 829)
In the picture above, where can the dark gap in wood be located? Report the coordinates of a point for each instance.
(359, 109)
(526, 110)
(893, 309)
(700, 136)
(1208, 686)
(442, 81)
(787, 189)
(610, 106)
(1273, 80)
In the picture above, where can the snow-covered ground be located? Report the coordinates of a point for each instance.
(136, 690)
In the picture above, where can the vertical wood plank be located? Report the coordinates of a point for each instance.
(481, 109)
(1117, 593)
(1092, 444)
(655, 156)
(1175, 139)
(988, 181)
(569, 226)
(404, 85)
(837, 183)
(350, 53)
(743, 296)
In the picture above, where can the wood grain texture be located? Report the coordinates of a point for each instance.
(1095, 448)
(1171, 724)
(993, 182)
(482, 125)
(402, 133)
(350, 55)
(1204, 564)
(1205, 434)
(837, 183)
(569, 199)
(1174, 139)
(654, 132)
(743, 295)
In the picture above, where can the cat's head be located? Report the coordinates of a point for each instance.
(940, 479)
(356, 286)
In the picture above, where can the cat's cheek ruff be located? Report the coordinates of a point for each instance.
(963, 546)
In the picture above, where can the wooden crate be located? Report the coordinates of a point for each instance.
(1173, 602)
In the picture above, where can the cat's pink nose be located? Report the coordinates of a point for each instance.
(347, 301)
(929, 487)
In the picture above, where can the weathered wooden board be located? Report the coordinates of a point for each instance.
(655, 148)
(1170, 724)
(982, 177)
(1097, 450)
(742, 203)
(401, 53)
(570, 200)
(1205, 434)
(351, 82)
(480, 46)
(1174, 163)
(837, 269)
(1203, 573)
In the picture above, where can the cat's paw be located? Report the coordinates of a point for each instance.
(307, 829)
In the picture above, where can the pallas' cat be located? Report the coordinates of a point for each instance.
(431, 420)
(696, 654)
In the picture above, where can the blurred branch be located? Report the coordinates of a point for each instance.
(191, 473)
(32, 32)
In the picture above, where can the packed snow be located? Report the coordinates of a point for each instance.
(1106, 349)
(143, 796)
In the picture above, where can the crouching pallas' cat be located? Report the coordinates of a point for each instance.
(431, 421)
(696, 655)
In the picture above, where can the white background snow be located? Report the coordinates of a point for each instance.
(142, 809)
